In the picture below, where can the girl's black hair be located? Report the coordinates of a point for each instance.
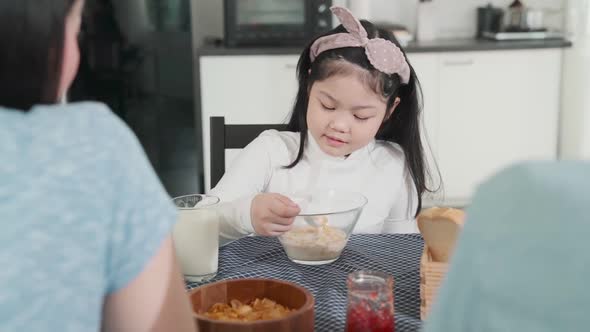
(32, 36)
(402, 127)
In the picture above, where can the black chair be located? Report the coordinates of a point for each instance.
(231, 137)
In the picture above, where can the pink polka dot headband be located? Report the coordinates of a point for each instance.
(384, 55)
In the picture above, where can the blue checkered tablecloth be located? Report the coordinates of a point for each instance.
(396, 254)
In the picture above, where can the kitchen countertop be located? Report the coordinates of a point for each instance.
(447, 45)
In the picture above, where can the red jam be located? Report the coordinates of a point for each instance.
(370, 302)
(362, 319)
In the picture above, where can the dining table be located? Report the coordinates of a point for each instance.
(395, 254)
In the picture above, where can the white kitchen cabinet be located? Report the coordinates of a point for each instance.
(495, 108)
(256, 89)
(426, 67)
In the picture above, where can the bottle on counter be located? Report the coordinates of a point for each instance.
(426, 21)
(516, 16)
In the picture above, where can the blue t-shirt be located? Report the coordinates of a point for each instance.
(81, 214)
(522, 262)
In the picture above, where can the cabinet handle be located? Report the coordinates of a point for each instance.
(458, 62)
(291, 66)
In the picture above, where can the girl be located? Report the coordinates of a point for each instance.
(354, 127)
(85, 221)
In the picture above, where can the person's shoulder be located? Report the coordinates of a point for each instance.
(76, 110)
(92, 125)
(97, 114)
(388, 152)
(542, 177)
(287, 141)
(279, 146)
(85, 117)
(275, 135)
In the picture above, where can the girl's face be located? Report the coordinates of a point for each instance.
(344, 115)
(71, 53)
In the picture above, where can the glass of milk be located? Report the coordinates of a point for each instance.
(196, 236)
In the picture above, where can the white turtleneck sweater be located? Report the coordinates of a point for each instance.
(378, 171)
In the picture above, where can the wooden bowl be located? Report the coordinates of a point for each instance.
(245, 290)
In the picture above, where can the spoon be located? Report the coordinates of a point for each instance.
(315, 221)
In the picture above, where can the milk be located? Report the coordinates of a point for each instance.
(196, 239)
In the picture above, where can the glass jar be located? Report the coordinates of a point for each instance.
(370, 302)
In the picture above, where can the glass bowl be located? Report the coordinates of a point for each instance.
(321, 230)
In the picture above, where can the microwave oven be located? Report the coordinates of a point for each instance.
(275, 22)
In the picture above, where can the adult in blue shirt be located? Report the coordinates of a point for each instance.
(522, 261)
(85, 224)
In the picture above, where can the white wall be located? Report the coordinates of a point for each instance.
(207, 19)
(457, 18)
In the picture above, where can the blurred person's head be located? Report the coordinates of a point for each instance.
(40, 55)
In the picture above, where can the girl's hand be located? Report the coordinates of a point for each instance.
(272, 214)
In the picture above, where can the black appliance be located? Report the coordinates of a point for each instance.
(515, 23)
(275, 22)
(489, 19)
